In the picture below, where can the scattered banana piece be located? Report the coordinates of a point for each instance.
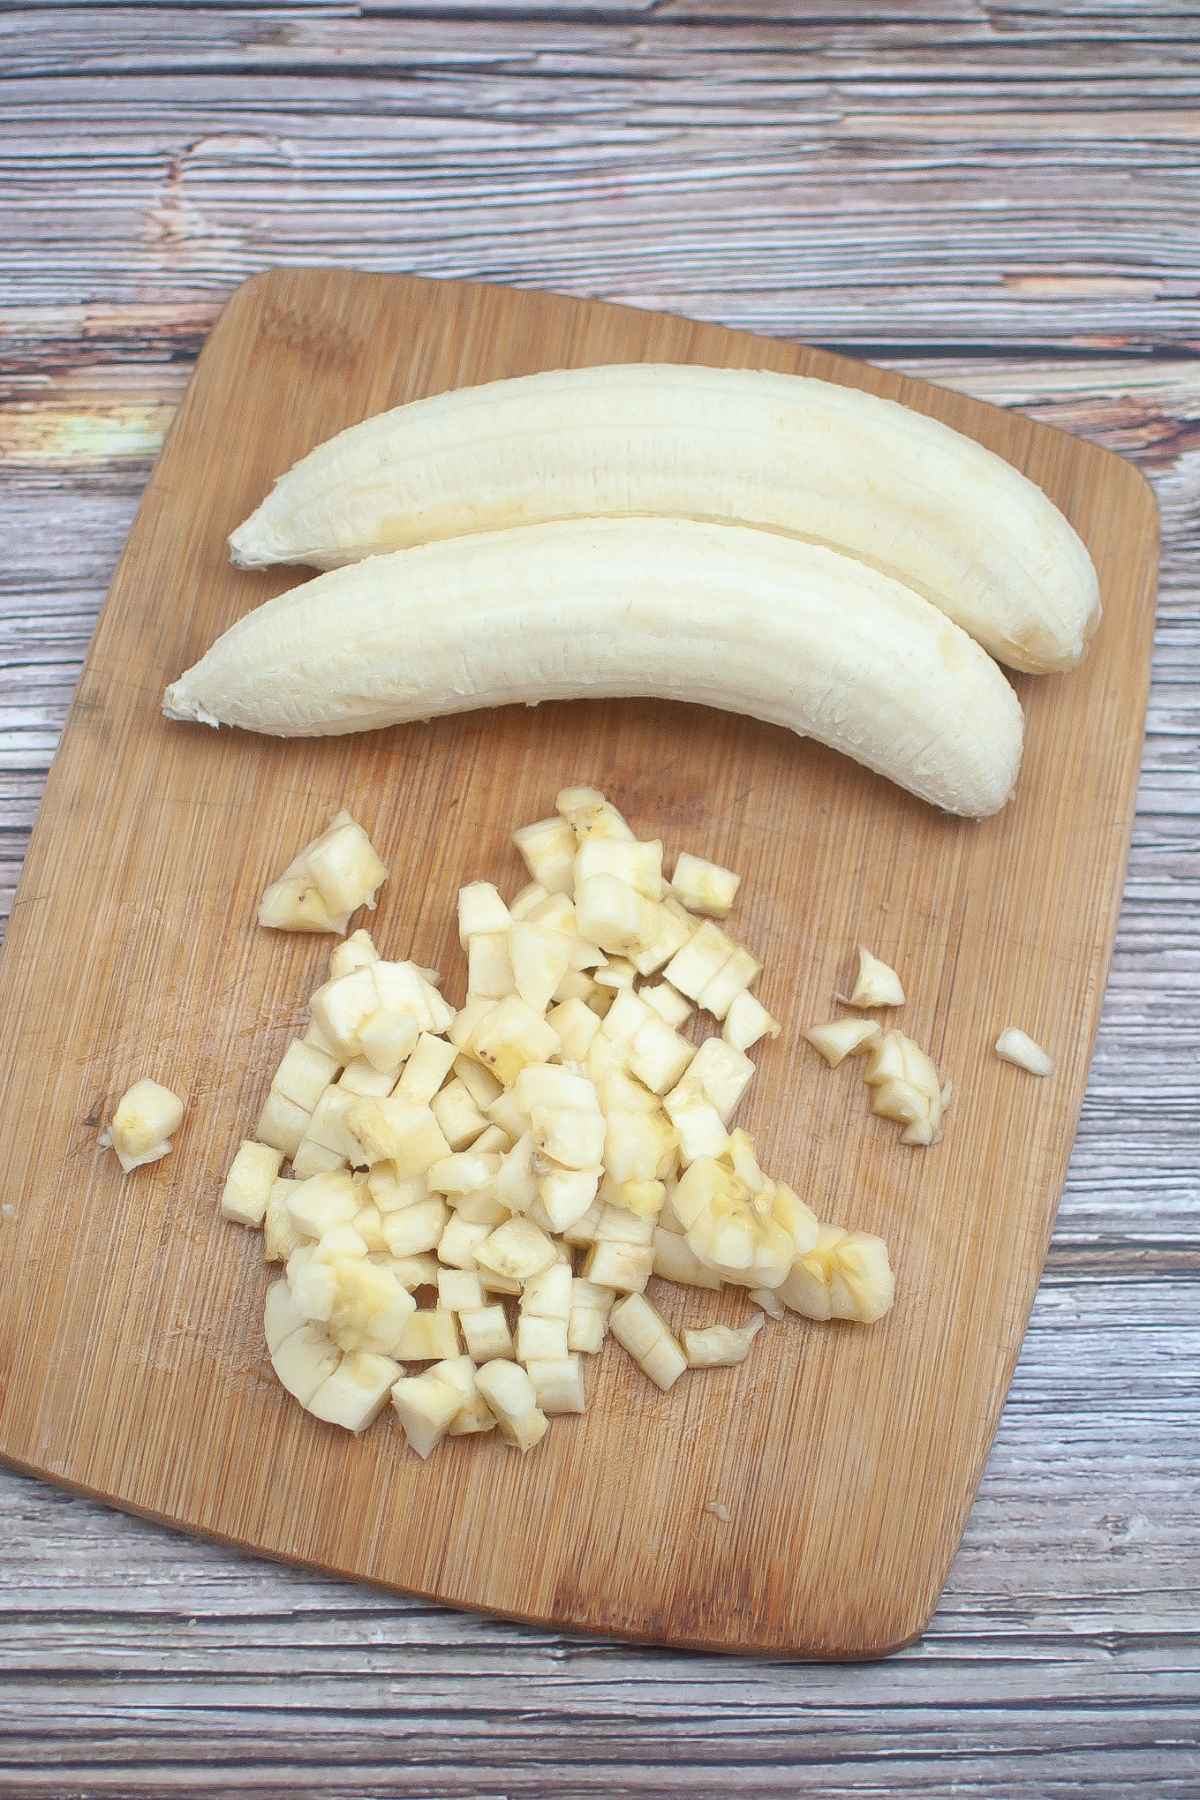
(720, 1346)
(471, 1154)
(843, 1038)
(876, 984)
(907, 1088)
(327, 881)
(1016, 1046)
(146, 1119)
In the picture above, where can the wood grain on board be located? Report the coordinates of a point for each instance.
(131, 1336)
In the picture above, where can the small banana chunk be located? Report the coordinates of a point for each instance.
(876, 983)
(639, 1328)
(146, 1119)
(329, 879)
(426, 1406)
(845, 1275)
(510, 1394)
(720, 1346)
(1016, 1046)
(247, 1191)
(842, 1038)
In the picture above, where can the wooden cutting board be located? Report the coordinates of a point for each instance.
(132, 1364)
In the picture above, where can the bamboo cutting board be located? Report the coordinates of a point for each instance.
(132, 1365)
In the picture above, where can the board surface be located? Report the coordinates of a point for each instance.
(131, 1355)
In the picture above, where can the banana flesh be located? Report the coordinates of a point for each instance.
(816, 460)
(744, 620)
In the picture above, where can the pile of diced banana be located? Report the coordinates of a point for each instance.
(471, 1154)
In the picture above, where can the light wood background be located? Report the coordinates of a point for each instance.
(1003, 198)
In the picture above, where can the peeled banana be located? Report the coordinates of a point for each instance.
(748, 621)
(829, 464)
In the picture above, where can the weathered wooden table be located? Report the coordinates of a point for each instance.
(1005, 198)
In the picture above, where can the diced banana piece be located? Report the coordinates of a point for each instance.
(459, 1241)
(456, 1112)
(411, 1272)
(557, 1384)
(658, 1055)
(846, 1275)
(906, 1086)
(719, 1073)
(480, 910)
(281, 1315)
(1016, 1046)
(547, 849)
(330, 1129)
(571, 1136)
(516, 1249)
(701, 959)
(466, 1172)
(698, 1125)
(355, 953)
(637, 864)
(489, 966)
(426, 1069)
(510, 1036)
(583, 1231)
(426, 1406)
(482, 1086)
(357, 1391)
(362, 1078)
(614, 915)
(720, 1346)
(486, 1333)
(540, 1339)
(474, 1414)
(641, 1330)
(747, 1021)
(428, 1337)
(146, 1119)
(539, 957)
(459, 1290)
(639, 1146)
(876, 983)
(704, 887)
(674, 1009)
(304, 1360)
(616, 973)
(280, 1234)
(418, 1228)
(576, 1025)
(321, 1202)
(674, 1260)
(588, 1322)
(386, 1040)
(509, 1393)
(398, 1131)
(304, 1074)
(247, 1190)
(624, 1267)
(329, 879)
(282, 1124)
(733, 978)
(591, 815)
(567, 1194)
(368, 1222)
(842, 1038)
(530, 896)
